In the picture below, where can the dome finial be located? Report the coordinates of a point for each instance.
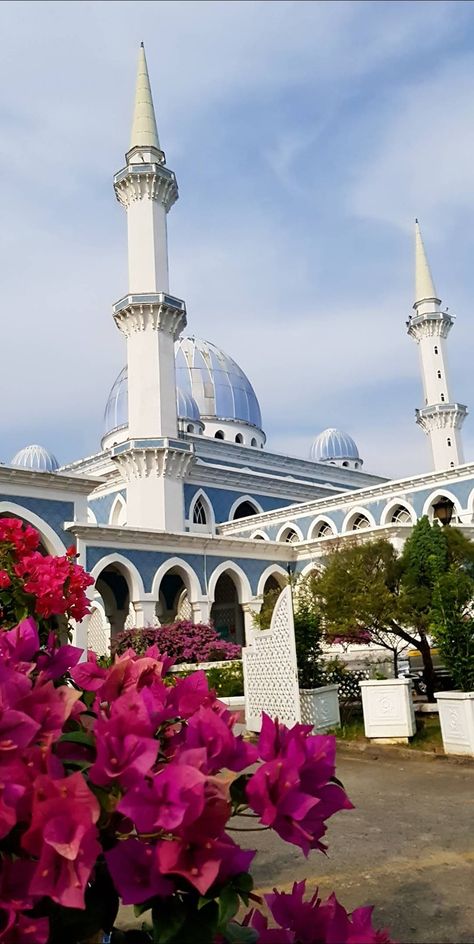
(424, 285)
(144, 130)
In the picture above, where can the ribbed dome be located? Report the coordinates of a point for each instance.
(36, 458)
(187, 406)
(332, 445)
(116, 410)
(216, 382)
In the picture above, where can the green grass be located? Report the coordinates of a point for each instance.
(427, 737)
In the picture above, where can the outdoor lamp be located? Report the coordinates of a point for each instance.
(443, 510)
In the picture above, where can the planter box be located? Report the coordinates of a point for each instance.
(388, 709)
(320, 707)
(456, 716)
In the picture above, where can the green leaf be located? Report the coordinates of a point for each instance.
(236, 934)
(228, 905)
(79, 737)
(168, 920)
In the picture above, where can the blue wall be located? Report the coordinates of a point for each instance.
(222, 500)
(55, 513)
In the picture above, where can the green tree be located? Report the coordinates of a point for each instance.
(452, 612)
(308, 630)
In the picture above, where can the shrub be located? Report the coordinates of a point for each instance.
(183, 642)
(226, 680)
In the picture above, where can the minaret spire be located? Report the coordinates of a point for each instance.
(441, 418)
(424, 285)
(144, 130)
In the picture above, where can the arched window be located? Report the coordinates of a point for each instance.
(239, 438)
(219, 434)
(324, 530)
(451, 464)
(442, 398)
(439, 375)
(448, 441)
(254, 441)
(436, 348)
(400, 515)
(244, 510)
(190, 428)
(289, 536)
(199, 512)
(360, 523)
(345, 464)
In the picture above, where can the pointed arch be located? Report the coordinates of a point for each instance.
(51, 541)
(210, 525)
(259, 536)
(242, 583)
(242, 500)
(91, 518)
(322, 521)
(118, 512)
(391, 509)
(435, 496)
(286, 528)
(276, 571)
(351, 517)
(127, 569)
(189, 577)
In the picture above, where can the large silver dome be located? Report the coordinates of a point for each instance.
(218, 385)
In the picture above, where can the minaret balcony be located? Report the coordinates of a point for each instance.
(142, 181)
(441, 416)
(158, 312)
(432, 324)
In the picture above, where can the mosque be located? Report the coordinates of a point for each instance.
(183, 512)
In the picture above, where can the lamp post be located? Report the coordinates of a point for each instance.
(443, 511)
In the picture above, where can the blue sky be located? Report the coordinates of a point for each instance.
(306, 137)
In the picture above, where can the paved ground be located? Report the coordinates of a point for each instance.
(407, 848)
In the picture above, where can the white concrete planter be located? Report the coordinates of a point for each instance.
(320, 707)
(388, 709)
(456, 716)
(233, 702)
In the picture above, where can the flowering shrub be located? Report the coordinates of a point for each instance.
(183, 641)
(112, 788)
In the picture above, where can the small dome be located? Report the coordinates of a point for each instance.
(187, 406)
(216, 382)
(332, 445)
(36, 458)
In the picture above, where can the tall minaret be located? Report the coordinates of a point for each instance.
(441, 418)
(153, 461)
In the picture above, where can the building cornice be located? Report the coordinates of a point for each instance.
(193, 543)
(54, 481)
(344, 500)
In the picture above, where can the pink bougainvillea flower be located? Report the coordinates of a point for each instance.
(50, 707)
(133, 867)
(63, 835)
(171, 800)
(122, 756)
(5, 580)
(275, 737)
(55, 661)
(317, 922)
(89, 675)
(16, 731)
(21, 643)
(11, 795)
(255, 919)
(198, 863)
(206, 729)
(14, 685)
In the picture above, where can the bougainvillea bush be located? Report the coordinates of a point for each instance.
(117, 787)
(182, 641)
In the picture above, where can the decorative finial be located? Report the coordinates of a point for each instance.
(424, 280)
(144, 131)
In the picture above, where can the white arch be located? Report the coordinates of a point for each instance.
(91, 518)
(353, 514)
(190, 578)
(240, 500)
(441, 493)
(309, 568)
(49, 538)
(316, 524)
(118, 512)
(293, 527)
(274, 570)
(470, 508)
(259, 534)
(244, 590)
(129, 571)
(390, 508)
(211, 521)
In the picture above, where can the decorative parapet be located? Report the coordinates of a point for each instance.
(143, 459)
(435, 324)
(159, 312)
(146, 182)
(441, 416)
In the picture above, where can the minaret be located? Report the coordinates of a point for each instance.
(153, 461)
(441, 418)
